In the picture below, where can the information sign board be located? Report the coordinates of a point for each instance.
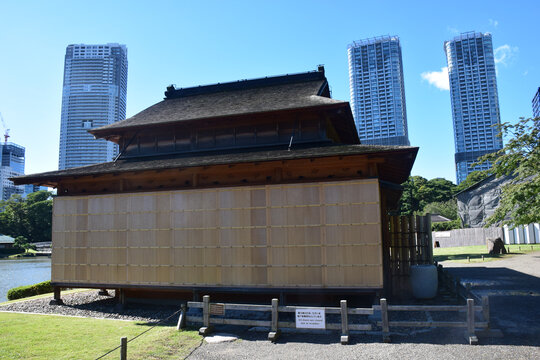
(310, 318)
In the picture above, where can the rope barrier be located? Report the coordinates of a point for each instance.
(144, 332)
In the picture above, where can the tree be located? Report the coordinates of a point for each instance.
(519, 203)
(409, 202)
(39, 214)
(435, 190)
(21, 242)
(30, 217)
(448, 209)
(419, 192)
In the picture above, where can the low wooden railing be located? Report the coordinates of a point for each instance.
(470, 323)
(275, 326)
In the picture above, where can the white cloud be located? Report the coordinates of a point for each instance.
(438, 79)
(504, 54)
(452, 30)
(494, 23)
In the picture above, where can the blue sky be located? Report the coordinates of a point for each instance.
(202, 42)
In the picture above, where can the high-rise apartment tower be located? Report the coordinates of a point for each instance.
(12, 164)
(475, 103)
(94, 95)
(377, 91)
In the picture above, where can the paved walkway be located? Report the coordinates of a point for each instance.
(513, 286)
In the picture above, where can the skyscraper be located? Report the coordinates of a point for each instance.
(12, 165)
(475, 103)
(377, 91)
(94, 95)
(536, 104)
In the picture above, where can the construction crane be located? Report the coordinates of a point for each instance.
(6, 130)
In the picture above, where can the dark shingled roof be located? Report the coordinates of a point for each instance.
(401, 165)
(278, 93)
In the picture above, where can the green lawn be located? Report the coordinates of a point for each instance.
(25, 336)
(474, 253)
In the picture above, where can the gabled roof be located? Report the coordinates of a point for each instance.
(278, 93)
(477, 184)
(396, 169)
(435, 218)
(6, 239)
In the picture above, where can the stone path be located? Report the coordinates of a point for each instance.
(513, 287)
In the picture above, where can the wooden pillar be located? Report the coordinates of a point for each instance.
(429, 239)
(57, 299)
(344, 323)
(120, 298)
(274, 330)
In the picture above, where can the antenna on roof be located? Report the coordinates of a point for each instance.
(290, 142)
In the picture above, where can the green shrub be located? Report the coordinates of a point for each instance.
(8, 252)
(445, 226)
(30, 290)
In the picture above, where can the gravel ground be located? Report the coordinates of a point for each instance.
(90, 304)
(296, 346)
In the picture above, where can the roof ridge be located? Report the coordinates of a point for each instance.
(245, 84)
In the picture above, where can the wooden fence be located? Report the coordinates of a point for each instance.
(210, 310)
(407, 242)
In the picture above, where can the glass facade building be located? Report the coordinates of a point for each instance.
(536, 104)
(377, 91)
(94, 95)
(12, 161)
(475, 103)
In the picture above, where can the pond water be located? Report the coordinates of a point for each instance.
(21, 272)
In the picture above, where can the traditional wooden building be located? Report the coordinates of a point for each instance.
(255, 185)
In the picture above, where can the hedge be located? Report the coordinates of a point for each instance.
(30, 290)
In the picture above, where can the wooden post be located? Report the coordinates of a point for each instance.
(57, 298)
(473, 340)
(384, 317)
(121, 297)
(182, 318)
(427, 225)
(485, 309)
(206, 328)
(123, 348)
(344, 323)
(274, 330)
